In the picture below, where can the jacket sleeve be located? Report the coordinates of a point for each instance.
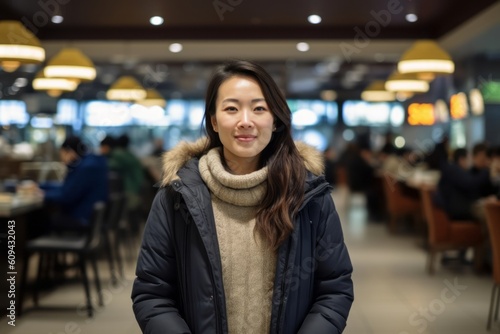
(154, 291)
(74, 187)
(333, 284)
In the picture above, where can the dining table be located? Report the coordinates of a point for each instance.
(14, 210)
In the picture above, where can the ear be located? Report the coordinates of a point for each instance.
(214, 123)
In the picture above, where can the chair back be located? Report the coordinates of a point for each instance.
(341, 176)
(116, 209)
(115, 182)
(116, 200)
(493, 221)
(392, 191)
(96, 222)
(437, 219)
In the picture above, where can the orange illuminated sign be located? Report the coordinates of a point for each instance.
(458, 106)
(421, 114)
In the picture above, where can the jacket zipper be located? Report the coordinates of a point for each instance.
(216, 303)
(218, 325)
(186, 250)
(283, 282)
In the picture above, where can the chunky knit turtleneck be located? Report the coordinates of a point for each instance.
(248, 265)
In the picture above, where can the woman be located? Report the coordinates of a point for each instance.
(243, 236)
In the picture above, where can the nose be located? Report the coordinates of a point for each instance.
(246, 119)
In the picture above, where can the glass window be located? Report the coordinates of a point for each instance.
(106, 114)
(196, 112)
(67, 111)
(312, 112)
(13, 112)
(176, 110)
(362, 113)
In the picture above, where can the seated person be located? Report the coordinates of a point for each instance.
(107, 145)
(129, 167)
(458, 189)
(85, 184)
(481, 161)
(330, 165)
(495, 166)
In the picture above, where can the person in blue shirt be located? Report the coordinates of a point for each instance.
(86, 183)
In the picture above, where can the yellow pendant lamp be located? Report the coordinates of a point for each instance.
(18, 46)
(53, 86)
(376, 92)
(426, 59)
(70, 63)
(153, 98)
(399, 82)
(126, 88)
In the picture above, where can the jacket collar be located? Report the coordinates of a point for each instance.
(178, 157)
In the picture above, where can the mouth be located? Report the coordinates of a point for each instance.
(245, 138)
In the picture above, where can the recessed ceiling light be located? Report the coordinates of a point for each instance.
(314, 19)
(57, 19)
(175, 47)
(303, 47)
(411, 17)
(156, 20)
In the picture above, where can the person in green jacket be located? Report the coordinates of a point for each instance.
(128, 166)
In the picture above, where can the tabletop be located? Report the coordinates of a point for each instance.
(14, 205)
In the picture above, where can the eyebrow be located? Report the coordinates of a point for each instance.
(236, 100)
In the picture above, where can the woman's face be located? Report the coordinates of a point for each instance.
(244, 123)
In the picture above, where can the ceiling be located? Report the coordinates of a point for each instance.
(118, 37)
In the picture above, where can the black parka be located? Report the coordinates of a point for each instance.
(179, 286)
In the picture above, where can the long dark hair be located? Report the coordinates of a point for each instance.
(286, 169)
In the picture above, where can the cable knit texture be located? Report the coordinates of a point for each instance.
(248, 266)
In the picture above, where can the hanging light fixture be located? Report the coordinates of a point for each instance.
(399, 82)
(70, 63)
(376, 92)
(427, 59)
(18, 46)
(53, 86)
(126, 88)
(153, 98)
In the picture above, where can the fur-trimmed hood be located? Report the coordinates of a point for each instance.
(176, 158)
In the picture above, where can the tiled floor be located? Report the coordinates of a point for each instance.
(393, 293)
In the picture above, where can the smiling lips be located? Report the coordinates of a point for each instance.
(245, 138)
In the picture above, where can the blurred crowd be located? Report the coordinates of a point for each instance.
(461, 177)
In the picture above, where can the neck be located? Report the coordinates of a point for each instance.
(246, 189)
(241, 166)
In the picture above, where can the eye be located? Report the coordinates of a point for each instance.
(260, 108)
(230, 108)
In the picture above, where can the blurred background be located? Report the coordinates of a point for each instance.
(392, 91)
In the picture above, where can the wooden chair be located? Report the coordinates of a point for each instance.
(84, 246)
(398, 204)
(448, 235)
(341, 176)
(493, 222)
(110, 230)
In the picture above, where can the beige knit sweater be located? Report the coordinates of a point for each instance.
(248, 266)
